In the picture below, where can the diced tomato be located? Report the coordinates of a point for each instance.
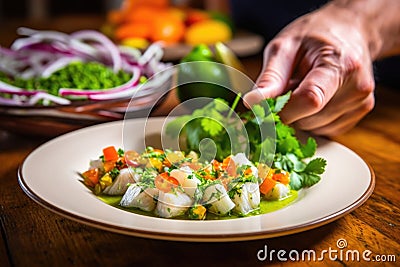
(110, 154)
(267, 185)
(91, 177)
(229, 166)
(109, 165)
(165, 183)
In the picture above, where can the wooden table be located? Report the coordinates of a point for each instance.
(34, 236)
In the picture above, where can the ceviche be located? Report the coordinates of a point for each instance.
(171, 184)
(168, 183)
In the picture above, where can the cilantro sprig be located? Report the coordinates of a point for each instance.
(230, 134)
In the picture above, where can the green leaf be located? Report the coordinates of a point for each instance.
(215, 115)
(174, 127)
(281, 102)
(221, 105)
(298, 165)
(211, 126)
(296, 181)
(310, 179)
(259, 114)
(282, 130)
(194, 134)
(287, 145)
(284, 163)
(316, 166)
(198, 113)
(308, 150)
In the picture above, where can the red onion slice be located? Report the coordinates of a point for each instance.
(102, 39)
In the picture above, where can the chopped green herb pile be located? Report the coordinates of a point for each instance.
(80, 75)
(216, 122)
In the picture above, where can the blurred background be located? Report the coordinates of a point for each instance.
(68, 15)
(51, 15)
(72, 15)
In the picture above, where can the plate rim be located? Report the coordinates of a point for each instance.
(215, 237)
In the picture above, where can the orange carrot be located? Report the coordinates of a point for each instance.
(110, 154)
(267, 185)
(282, 177)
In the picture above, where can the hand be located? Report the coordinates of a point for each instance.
(324, 58)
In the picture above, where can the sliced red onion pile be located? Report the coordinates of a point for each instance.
(41, 53)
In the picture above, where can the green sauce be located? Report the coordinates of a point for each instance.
(266, 206)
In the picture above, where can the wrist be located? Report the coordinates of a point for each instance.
(378, 23)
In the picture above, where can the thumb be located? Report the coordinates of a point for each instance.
(279, 60)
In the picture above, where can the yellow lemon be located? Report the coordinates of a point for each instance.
(208, 32)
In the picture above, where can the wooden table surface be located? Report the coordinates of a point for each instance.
(34, 236)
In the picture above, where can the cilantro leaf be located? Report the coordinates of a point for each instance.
(316, 166)
(211, 126)
(289, 144)
(174, 127)
(220, 105)
(283, 130)
(308, 150)
(281, 102)
(310, 179)
(259, 114)
(296, 181)
(277, 104)
(311, 173)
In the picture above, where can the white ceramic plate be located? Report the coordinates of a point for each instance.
(48, 176)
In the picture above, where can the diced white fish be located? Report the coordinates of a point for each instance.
(137, 197)
(279, 191)
(120, 183)
(172, 204)
(247, 199)
(136, 173)
(187, 181)
(139, 173)
(218, 198)
(241, 159)
(130, 195)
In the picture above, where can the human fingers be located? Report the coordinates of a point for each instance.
(348, 120)
(316, 89)
(279, 61)
(357, 86)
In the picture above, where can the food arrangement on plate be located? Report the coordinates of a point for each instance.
(185, 185)
(314, 207)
